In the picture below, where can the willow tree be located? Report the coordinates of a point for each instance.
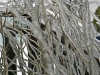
(48, 37)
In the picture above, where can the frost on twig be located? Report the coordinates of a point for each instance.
(48, 37)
